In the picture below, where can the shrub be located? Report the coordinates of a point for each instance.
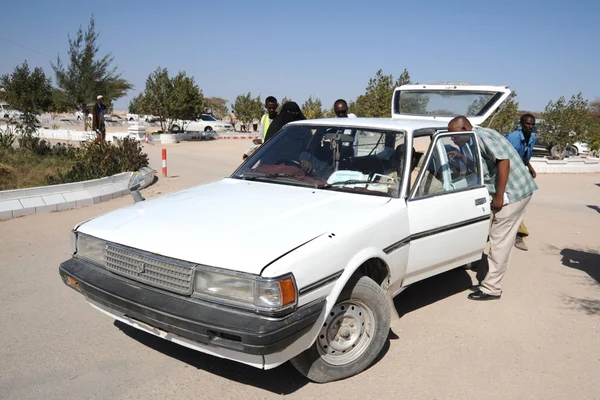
(34, 144)
(7, 138)
(97, 159)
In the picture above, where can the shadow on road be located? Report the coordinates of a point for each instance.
(586, 261)
(594, 208)
(282, 380)
(432, 290)
(587, 305)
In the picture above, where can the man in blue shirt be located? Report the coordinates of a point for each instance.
(523, 140)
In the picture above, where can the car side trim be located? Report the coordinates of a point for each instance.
(449, 227)
(321, 282)
(397, 245)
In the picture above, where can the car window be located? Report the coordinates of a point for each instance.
(453, 165)
(207, 118)
(329, 157)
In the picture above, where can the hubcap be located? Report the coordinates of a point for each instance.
(346, 333)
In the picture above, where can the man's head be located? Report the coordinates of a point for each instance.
(100, 99)
(459, 124)
(271, 106)
(527, 123)
(340, 108)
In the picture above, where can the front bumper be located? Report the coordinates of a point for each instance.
(207, 323)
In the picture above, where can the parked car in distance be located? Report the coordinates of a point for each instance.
(204, 122)
(349, 222)
(7, 112)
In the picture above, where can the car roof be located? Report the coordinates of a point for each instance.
(408, 125)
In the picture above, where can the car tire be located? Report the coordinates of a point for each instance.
(554, 152)
(175, 128)
(572, 151)
(362, 312)
(208, 129)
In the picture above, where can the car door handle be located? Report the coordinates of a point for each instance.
(480, 201)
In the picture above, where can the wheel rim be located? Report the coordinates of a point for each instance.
(346, 333)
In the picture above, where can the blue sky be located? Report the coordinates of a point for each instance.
(542, 49)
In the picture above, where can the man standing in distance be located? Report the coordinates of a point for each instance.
(511, 186)
(98, 124)
(523, 140)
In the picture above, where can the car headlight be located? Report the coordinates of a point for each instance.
(91, 248)
(268, 295)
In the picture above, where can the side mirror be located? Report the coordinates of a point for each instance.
(135, 181)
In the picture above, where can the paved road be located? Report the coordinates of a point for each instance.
(541, 341)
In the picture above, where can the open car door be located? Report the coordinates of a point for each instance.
(442, 102)
(448, 207)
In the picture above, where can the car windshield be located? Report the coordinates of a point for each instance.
(368, 161)
(444, 103)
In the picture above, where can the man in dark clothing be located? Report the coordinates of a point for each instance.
(98, 125)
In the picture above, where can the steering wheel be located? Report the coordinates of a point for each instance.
(289, 161)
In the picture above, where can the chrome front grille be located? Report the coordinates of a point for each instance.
(151, 269)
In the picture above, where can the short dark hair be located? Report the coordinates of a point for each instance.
(338, 101)
(526, 116)
(270, 99)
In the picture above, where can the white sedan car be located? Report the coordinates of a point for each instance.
(346, 215)
(205, 123)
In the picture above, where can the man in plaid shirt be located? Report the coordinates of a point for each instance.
(510, 186)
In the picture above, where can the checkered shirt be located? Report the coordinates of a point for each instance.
(496, 147)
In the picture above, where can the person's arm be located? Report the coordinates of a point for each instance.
(503, 171)
(531, 170)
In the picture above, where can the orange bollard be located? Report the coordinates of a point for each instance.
(164, 162)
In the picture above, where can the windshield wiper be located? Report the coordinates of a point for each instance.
(291, 178)
(352, 182)
(257, 175)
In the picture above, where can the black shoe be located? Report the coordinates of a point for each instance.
(475, 288)
(479, 295)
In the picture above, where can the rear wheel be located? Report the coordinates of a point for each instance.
(556, 153)
(352, 335)
(175, 128)
(572, 151)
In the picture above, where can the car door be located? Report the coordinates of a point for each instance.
(448, 208)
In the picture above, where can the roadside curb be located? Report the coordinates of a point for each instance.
(20, 202)
(566, 166)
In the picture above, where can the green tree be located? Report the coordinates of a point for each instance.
(218, 106)
(88, 75)
(135, 105)
(506, 117)
(313, 109)
(565, 122)
(175, 99)
(247, 108)
(377, 99)
(29, 92)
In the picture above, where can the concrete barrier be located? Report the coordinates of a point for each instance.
(571, 165)
(19, 202)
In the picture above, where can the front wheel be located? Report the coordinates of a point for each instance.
(208, 129)
(352, 335)
(175, 129)
(572, 151)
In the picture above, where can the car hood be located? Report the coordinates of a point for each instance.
(232, 224)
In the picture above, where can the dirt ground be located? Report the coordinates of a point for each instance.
(540, 341)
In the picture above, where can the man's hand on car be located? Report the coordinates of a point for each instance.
(307, 167)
